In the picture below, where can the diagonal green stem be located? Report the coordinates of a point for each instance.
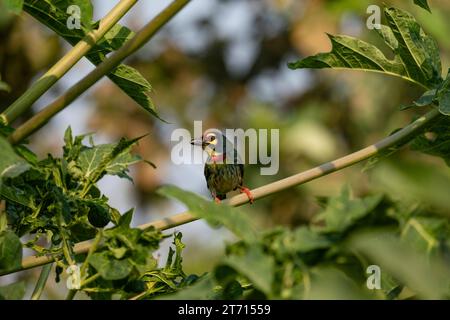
(65, 63)
(40, 285)
(398, 137)
(131, 46)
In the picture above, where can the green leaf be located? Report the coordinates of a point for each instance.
(13, 291)
(443, 96)
(424, 233)
(125, 219)
(113, 159)
(416, 54)
(423, 4)
(11, 165)
(109, 267)
(214, 213)
(429, 278)
(342, 212)
(10, 251)
(14, 6)
(426, 99)
(435, 140)
(256, 266)
(330, 283)
(54, 15)
(200, 290)
(303, 240)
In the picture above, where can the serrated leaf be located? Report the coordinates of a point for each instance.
(125, 77)
(10, 251)
(113, 159)
(342, 212)
(258, 267)
(214, 213)
(109, 267)
(423, 4)
(13, 291)
(303, 240)
(416, 54)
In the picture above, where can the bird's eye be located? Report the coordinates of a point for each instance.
(212, 138)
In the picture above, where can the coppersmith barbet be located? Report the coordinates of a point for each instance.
(224, 172)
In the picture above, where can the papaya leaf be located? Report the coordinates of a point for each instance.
(404, 263)
(342, 212)
(54, 15)
(416, 54)
(109, 267)
(258, 267)
(230, 217)
(113, 159)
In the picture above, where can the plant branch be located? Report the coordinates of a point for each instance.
(40, 285)
(271, 188)
(66, 63)
(131, 46)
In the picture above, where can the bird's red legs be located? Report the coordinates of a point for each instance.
(248, 193)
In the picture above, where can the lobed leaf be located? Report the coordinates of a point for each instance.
(342, 212)
(416, 54)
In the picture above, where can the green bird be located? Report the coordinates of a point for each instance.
(223, 170)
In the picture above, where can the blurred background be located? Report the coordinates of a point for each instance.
(225, 63)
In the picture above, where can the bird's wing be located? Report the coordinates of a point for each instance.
(241, 174)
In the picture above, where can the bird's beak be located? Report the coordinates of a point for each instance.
(198, 142)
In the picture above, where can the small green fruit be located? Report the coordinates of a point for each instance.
(99, 216)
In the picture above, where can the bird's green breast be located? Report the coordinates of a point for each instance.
(223, 178)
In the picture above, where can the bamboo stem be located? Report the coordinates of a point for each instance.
(131, 46)
(66, 63)
(271, 188)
